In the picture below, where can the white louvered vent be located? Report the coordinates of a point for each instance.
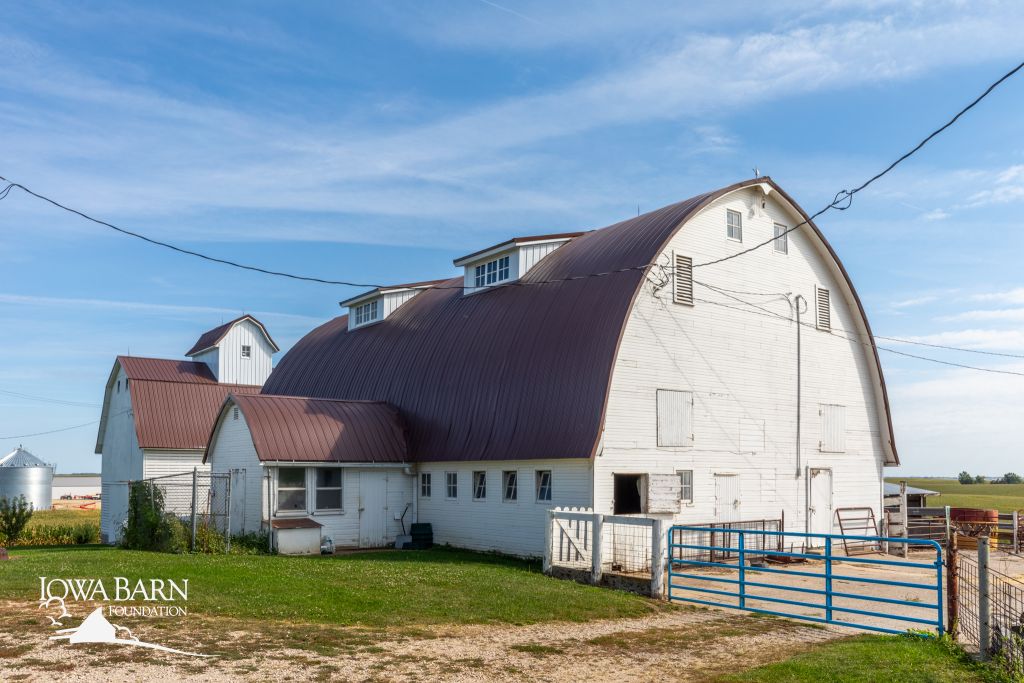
(682, 281)
(833, 429)
(675, 418)
(824, 309)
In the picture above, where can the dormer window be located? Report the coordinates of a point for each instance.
(246, 351)
(368, 312)
(492, 272)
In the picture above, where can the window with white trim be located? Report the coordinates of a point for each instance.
(451, 480)
(682, 280)
(491, 272)
(781, 239)
(479, 485)
(543, 485)
(823, 309)
(328, 488)
(685, 486)
(291, 489)
(368, 312)
(734, 225)
(425, 485)
(510, 486)
(246, 351)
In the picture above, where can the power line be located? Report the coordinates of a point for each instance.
(57, 401)
(844, 198)
(52, 431)
(836, 334)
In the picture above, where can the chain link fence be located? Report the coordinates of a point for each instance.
(201, 500)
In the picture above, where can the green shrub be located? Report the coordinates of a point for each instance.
(252, 543)
(148, 526)
(14, 515)
(209, 539)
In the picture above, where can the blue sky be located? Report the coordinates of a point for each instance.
(377, 141)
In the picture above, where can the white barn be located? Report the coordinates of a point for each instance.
(604, 370)
(157, 413)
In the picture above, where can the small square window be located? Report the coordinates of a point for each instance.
(734, 225)
(246, 351)
(543, 485)
(328, 488)
(479, 485)
(686, 486)
(451, 484)
(510, 486)
(425, 485)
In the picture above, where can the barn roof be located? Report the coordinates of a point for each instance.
(295, 429)
(210, 338)
(519, 371)
(174, 403)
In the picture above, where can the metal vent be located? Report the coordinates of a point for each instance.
(824, 308)
(682, 280)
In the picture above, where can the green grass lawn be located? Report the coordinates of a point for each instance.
(54, 517)
(387, 588)
(1002, 497)
(874, 659)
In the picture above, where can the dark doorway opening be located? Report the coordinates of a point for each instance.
(628, 500)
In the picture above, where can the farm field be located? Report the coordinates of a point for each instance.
(1002, 497)
(64, 516)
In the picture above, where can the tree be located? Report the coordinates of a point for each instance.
(979, 479)
(965, 478)
(14, 515)
(1011, 478)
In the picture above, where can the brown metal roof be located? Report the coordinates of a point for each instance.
(210, 338)
(166, 370)
(514, 372)
(288, 428)
(391, 288)
(178, 415)
(295, 523)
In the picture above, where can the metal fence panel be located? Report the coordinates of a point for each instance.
(197, 499)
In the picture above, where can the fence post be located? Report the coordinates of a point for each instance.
(1016, 532)
(227, 514)
(904, 517)
(949, 529)
(547, 541)
(828, 579)
(657, 564)
(743, 569)
(952, 586)
(984, 604)
(195, 503)
(596, 552)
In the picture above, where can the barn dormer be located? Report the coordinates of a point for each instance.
(237, 352)
(508, 261)
(377, 304)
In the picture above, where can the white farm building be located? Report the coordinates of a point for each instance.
(157, 413)
(604, 370)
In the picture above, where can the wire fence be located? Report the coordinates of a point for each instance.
(198, 499)
(1005, 614)
(627, 545)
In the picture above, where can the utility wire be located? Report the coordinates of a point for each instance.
(57, 401)
(844, 198)
(52, 431)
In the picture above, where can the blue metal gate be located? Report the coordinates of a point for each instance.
(740, 559)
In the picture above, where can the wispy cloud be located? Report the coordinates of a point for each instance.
(979, 339)
(1007, 296)
(997, 314)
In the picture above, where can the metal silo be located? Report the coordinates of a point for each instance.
(23, 474)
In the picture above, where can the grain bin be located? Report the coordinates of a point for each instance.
(23, 474)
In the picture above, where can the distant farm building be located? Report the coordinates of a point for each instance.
(76, 485)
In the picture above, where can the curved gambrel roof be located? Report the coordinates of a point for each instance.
(520, 371)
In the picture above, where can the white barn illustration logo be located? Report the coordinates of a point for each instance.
(95, 628)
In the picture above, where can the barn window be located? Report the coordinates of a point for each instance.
(510, 486)
(451, 484)
(734, 225)
(368, 312)
(234, 413)
(823, 309)
(628, 494)
(686, 486)
(328, 488)
(682, 280)
(543, 485)
(479, 485)
(119, 386)
(492, 272)
(291, 489)
(833, 428)
(425, 485)
(781, 239)
(675, 418)
(246, 351)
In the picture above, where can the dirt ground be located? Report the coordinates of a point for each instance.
(677, 644)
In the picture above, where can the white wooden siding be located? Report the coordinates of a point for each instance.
(232, 368)
(389, 303)
(833, 428)
(121, 461)
(160, 463)
(512, 527)
(675, 417)
(741, 368)
(531, 254)
(211, 358)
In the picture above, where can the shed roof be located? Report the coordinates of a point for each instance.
(513, 372)
(894, 490)
(211, 338)
(295, 429)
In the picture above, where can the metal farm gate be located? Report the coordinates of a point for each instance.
(807, 576)
(199, 499)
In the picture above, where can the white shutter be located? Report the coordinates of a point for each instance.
(682, 280)
(823, 301)
(675, 418)
(833, 429)
(663, 492)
